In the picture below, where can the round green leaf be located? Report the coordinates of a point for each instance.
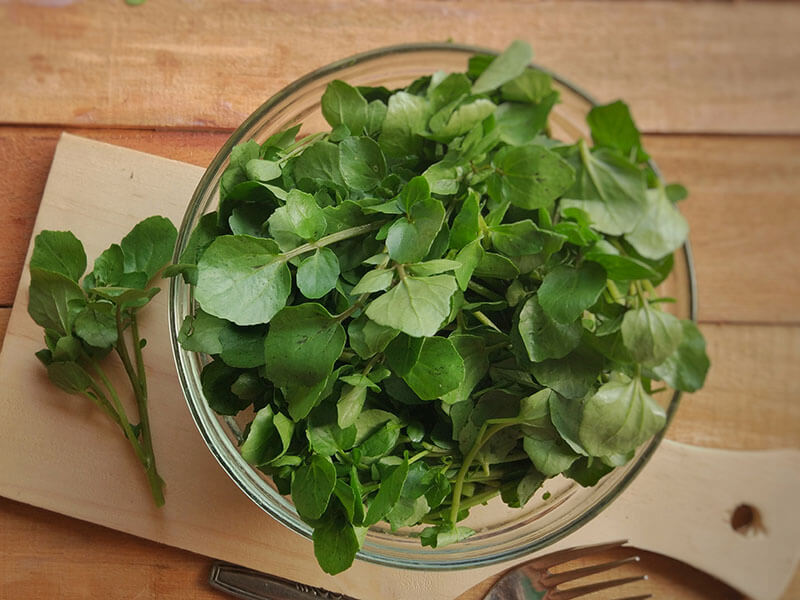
(248, 269)
(317, 275)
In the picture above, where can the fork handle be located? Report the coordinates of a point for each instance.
(682, 505)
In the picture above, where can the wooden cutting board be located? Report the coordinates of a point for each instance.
(60, 453)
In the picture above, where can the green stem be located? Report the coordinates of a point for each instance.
(484, 291)
(332, 239)
(417, 456)
(615, 293)
(484, 435)
(120, 410)
(156, 483)
(145, 454)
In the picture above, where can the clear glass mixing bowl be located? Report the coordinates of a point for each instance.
(502, 533)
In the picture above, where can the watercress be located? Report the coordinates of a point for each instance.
(86, 318)
(439, 302)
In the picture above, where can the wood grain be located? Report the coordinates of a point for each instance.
(684, 67)
(132, 566)
(739, 222)
(749, 400)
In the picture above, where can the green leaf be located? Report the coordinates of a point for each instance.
(376, 113)
(69, 376)
(619, 418)
(242, 347)
(324, 434)
(149, 246)
(438, 370)
(524, 237)
(613, 127)
(448, 123)
(335, 543)
(312, 486)
(438, 536)
(466, 225)
(362, 163)
(469, 257)
(662, 229)
(216, 380)
(402, 353)
(59, 252)
(686, 368)
(342, 104)
(350, 404)
(518, 493)
(416, 190)
(406, 118)
(248, 269)
(200, 333)
(509, 65)
(619, 267)
(549, 454)
(268, 438)
(521, 124)
(54, 300)
(409, 239)
(388, 494)
(416, 306)
(530, 177)
(376, 280)
(262, 170)
(472, 350)
(566, 291)
(201, 237)
(572, 376)
(317, 275)
(368, 338)
(531, 86)
(495, 266)
(96, 324)
(109, 267)
(302, 345)
(282, 139)
(302, 214)
(651, 335)
(433, 267)
(319, 163)
(587, 471)
(380, 443)
(302, 399)
(544, 337)
(610, 189)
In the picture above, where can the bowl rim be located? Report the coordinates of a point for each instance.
(190, 215)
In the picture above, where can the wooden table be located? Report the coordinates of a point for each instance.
(715, 85)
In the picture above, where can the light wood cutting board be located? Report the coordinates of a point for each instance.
(60, 453)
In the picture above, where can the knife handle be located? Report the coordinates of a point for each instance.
(254, 585)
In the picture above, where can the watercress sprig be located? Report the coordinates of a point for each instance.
(84, 321)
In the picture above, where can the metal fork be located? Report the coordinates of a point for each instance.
(529, 581)
(533, 580)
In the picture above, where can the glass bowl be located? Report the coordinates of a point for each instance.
(502, 533)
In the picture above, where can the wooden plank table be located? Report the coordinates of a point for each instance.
(715, 85)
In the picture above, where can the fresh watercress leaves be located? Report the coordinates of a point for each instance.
(432, 304)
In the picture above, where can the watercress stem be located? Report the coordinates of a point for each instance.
(339, 236)
(156, 483)
(484, 435)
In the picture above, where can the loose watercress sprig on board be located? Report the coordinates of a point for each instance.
(85, 321)
(436, 302)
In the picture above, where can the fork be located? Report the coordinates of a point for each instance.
(533, 579)
(530, 581)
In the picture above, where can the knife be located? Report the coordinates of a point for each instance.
(241, 582)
